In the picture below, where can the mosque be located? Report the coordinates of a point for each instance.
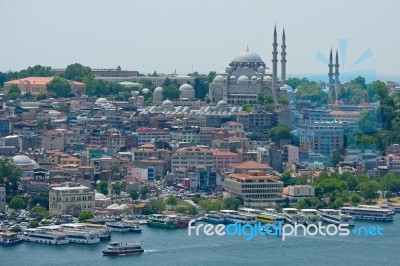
(247, 75)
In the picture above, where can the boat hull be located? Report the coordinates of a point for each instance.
(162, 225)
(121, 253)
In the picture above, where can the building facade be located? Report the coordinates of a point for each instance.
(71, 199)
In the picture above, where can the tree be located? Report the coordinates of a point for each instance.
(116, 187)
(153, 206)
(33, 224)
(39, 212)
(356, 200)
(335, 158)
(102, 187)
(18, 203)
(247, 108)
(171, 200)
(311, 91)
(42, 199)
(14, 92)
(286, 178)
(143, 191)
(10, 175)
(134, 194)
(369, 189)
(41, 96)
(280, 132)
(83, 216)
(61, 87)
(283, 100)
(114, 168)
(171, 92)
(232, 203)
(78, 72)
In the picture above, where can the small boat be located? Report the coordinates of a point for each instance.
(9, 239)
(332, 216)
(121, 248)
(311, 216)
(293, 216)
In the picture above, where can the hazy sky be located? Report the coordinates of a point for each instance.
(201, 35)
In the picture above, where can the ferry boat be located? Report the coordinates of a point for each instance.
(332, 216)
(214, 218)
(45, 236)
(81, 237)
(101, 231)
(263, 216)
(235, 217)
(311, 216)
(9, 239)
(292, 215)
(365, 212)
(119, 248)
(160, 220)
(123, 227)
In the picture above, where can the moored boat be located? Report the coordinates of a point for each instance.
(162, 221)
(9, 239)
(214, 218)
(311, 216)
(332, 216)
(44, 236)
(365, 212)
(236, 217)
(120, 248)
(293, 216)
(124, 227)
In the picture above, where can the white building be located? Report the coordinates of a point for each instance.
(147, 135)
(71, 199)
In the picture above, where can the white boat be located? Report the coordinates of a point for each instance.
(214, 218)
(102, 231)
(9, 239)
(81, 237)
(267, 217)
(44, 236)
(119, 248)
(365, 212)
(293, 216)
(124, 227)
(311, 216)
(332, 216)
(235, 217)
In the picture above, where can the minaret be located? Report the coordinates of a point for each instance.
(283, 58)
(275, 67)
(337, 82)
(330, 75)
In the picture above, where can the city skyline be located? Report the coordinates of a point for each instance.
(190, 38)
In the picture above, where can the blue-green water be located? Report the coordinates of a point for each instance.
(175, 247)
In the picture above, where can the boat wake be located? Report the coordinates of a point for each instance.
(150, 250)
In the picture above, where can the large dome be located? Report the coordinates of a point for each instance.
(247, 57)
(167, 103)
(186, 87)
(23, 160)
(101, 101)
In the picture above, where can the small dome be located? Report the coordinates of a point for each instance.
(186, 87)
(22, 160)
(101, 101)
(243, 79)
(99, 196)
(268, 78)
(253, 78)
(158, 89)
(145, 91)
(233, 78)
(261, 68)
(167, 103)
(286, 88)
(222, 104)
(135, 93)
(218, 79)
(228, 69)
